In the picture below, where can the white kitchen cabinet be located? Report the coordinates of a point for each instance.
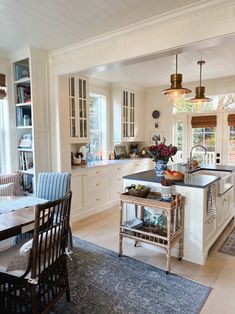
(128, 112)
(98, 188)
(78, 100)
(77, 195)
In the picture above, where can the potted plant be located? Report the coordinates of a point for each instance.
(161, 153)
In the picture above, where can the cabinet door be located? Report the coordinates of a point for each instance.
(209, 228)
(78, 109)
(128, 115)
(77, 198)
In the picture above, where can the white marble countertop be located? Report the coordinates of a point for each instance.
(106, 163)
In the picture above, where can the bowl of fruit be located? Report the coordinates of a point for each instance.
(138, 190)
(173, 175)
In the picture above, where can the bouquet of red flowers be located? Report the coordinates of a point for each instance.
(161, 151)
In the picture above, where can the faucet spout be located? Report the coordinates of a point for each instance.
(198, 145)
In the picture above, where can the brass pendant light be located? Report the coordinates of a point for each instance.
(176, 90)
(200, 90)
(2, 86)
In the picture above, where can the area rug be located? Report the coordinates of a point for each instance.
(229, 245)
(103, 283)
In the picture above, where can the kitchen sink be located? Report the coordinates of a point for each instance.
(225, 182)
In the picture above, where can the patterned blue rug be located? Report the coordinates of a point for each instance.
(103, 283)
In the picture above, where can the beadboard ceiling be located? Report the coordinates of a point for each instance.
(219, 58)
(54, 24)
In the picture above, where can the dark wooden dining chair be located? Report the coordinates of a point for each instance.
(45, 278)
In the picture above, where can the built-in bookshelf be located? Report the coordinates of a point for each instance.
(30, 82)
(24, 121)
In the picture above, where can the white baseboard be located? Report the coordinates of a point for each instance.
(78, 214)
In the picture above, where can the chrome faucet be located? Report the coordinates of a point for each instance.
(191, 152)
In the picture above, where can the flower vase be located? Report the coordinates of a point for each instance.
(161, 166)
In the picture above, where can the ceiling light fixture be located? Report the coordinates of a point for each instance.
(2, 86)
(200, 90)
(176, 90)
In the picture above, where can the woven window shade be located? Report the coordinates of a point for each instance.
(231, 120)
(204, 122)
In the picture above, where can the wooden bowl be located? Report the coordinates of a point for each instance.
(178, 177)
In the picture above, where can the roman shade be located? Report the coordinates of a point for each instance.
(204, 121)
(231, 120)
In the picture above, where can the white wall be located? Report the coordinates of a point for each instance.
(169, 33)
(154, 100)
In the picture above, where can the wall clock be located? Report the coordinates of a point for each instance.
(155, 114)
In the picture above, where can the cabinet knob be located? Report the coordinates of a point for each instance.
(98, 199)
(97, 184)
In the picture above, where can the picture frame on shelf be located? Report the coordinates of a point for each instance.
(21, 72)
(120, 151)
(156, 137)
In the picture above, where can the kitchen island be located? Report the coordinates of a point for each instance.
(209, 205)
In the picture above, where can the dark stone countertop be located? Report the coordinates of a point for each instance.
(192, 180)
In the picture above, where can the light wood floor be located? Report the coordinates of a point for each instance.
(218, 273)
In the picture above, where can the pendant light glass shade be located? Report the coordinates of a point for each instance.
(176, 90)
(200, 90)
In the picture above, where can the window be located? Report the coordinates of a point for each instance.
(207, 138)
(219, 103)
(96, 149)
(179, 140)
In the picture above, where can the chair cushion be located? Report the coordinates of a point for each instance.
(7, 189)
(16, 178)
(21, 259)
(7, 256)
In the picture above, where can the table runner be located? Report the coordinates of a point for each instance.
(7, 205)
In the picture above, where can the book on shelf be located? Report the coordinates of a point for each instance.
(22, 112)
(26, 160)
(23, 93)
(25, 141)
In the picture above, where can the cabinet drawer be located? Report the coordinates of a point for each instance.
(96, 184)
(96, 199)
(97, 171)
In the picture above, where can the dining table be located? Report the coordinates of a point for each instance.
(17, 214)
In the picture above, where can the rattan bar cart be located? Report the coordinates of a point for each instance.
(168, 238)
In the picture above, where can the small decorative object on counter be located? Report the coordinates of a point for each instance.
(161, 153)
(166, 190)
(77, 158)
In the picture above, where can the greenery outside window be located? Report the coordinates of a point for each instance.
(218, 103)
(97, 147)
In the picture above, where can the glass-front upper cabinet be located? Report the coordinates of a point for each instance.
(78, 109)
(128, 114)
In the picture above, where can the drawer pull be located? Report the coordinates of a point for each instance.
(97, 184)
(98, 199)
(97, 172)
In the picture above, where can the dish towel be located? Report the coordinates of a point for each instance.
(211, 200)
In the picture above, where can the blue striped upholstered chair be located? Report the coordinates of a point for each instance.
(53, 185)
